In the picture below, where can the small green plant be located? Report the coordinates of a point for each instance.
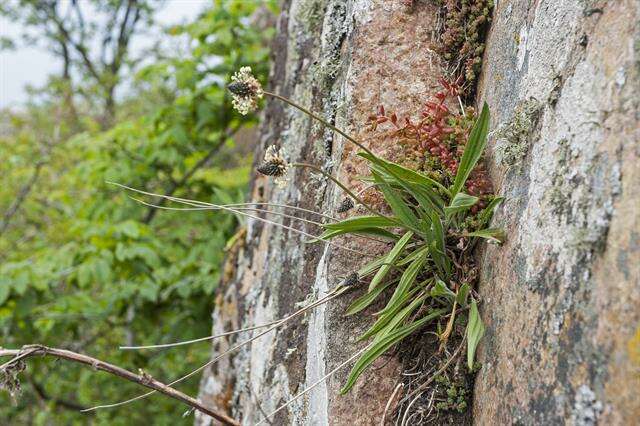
(433, 224)
(433, 228)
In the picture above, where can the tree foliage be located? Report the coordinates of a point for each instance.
(87, 268)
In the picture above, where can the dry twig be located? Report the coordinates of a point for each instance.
(141, 379)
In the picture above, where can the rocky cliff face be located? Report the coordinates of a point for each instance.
(560, 298)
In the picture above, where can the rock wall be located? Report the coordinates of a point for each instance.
(560, 298)
(342, 59)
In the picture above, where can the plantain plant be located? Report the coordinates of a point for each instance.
(433, 229)
(433, 226)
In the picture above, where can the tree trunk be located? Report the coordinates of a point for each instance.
(560, 298)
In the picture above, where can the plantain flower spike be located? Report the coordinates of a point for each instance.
(275, 165)
(245, 90)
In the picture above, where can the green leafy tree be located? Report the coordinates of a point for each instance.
(87, 268)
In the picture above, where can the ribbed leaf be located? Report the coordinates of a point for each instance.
(487, 213)
(361, 222)
(473, 150)
(404, 174)
(395, 315)
(407, 279)
(475, 331)
(398, 205)
(390, 260)
(460, 203)
(381, 347)
(375, 232)
(366, 299)
(494, 235)
(393, 320)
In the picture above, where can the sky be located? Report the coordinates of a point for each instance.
(31, 66)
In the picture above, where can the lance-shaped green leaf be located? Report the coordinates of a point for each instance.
(390, 260)
(473, 150)
(460, 203)
(366, 299)
(462, 294)
(393, 320)
(361, 222)
(381, 346)
(437, 248)
(374, 232)
(399, 206)
(404, 174)
(475, 331)
(407, 279)
(422, 188)
(487, 212)
(494, 235)
(440, 289)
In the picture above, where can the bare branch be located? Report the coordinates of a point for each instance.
(24, 191)
(142, 379)
(177, 185)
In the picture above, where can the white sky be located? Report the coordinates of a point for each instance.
(31, 66)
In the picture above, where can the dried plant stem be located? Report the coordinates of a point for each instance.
(446, 365)
(226, 333)
(325, 377)
(306, 234)
(201, 339)
(238, 209)
(141, 379)
(344, 188)
(389, 402)
(335, 293)
(320, 119)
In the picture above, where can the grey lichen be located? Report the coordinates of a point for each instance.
(586, 407)
(512, 142)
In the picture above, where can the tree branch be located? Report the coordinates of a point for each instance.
(142, 379)
(15, 206)
(177, 185)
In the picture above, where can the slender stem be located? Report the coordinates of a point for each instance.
(316, 383)
(141, 379)
(332, 295)
(306, 234)
(321, 120)
(341, 185)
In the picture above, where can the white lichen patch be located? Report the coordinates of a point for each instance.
(586, 408)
